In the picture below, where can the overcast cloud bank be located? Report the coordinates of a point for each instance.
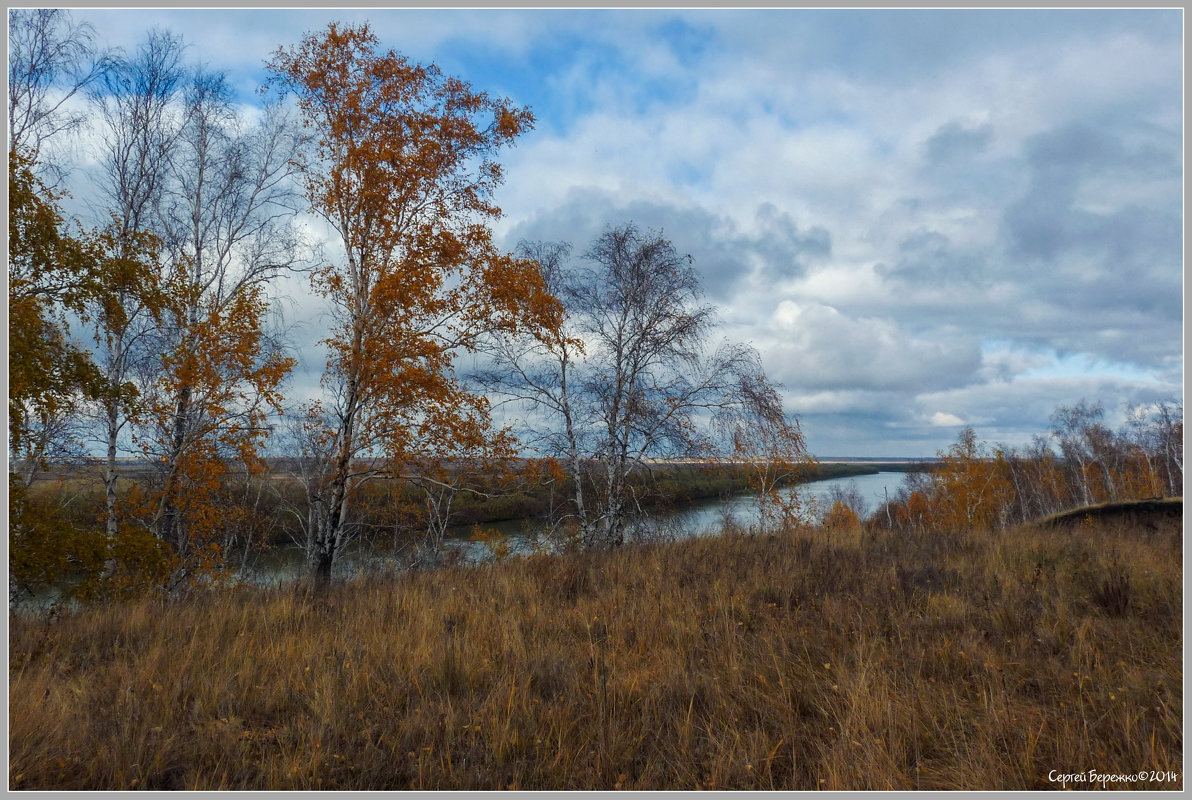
(922, 219)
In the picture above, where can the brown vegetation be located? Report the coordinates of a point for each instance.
(973, 485)
(847, 659)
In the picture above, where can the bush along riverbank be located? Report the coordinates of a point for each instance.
(808, 659)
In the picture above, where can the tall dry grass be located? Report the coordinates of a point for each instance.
(854, 660)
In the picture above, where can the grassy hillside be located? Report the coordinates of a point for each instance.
(1137, 512)
(810, 659)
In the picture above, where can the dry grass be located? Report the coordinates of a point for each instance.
(805, 660)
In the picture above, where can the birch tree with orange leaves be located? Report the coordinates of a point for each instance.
(402, 167)
(970, 489)
(226, 224)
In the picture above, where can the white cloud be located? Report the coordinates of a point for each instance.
(814, 345)
(933, 294)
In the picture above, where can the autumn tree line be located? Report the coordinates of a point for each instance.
(1080, 462)
(151, 337)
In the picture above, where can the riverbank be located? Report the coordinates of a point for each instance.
(472, 544)
(802, 660)
(261, 541)
(386, 507)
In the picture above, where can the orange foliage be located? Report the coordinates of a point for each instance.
(970, 491)
(841, 517)
(402, 170)
(50, 273)
(208, 410)
(972, 488)
(918, 510)
(1138, 479)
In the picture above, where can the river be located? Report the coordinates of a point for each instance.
(286, 563)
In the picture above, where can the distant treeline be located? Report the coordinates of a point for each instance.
(1080, 463)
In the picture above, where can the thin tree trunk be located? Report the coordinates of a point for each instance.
(576, 466)
(111, 472)
(168, 525)
(321, 569)
(331, 526)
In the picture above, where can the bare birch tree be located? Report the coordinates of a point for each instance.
(226, 220)
(141, 123)
(51, 59)
(758, 435)
(629, 378)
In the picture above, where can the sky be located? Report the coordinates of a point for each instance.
(921, 219)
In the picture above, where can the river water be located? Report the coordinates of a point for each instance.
(286, 563)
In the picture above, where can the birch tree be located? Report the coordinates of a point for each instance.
(402, 167)
(136, 102)
(630, 376)
(226, 221)
(759, 436)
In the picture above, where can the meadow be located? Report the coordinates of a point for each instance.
(814, 658)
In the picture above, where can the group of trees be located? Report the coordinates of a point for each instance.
(173, 287)
(1082, 461)
(197, 218)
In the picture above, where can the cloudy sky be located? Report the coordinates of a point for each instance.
(921, 219)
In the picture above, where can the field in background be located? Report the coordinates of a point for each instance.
(843, 659)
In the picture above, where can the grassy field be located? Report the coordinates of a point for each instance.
(804, 660)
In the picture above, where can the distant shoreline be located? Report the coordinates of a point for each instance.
(132, 467)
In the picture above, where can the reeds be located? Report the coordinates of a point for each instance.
(843, 660)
